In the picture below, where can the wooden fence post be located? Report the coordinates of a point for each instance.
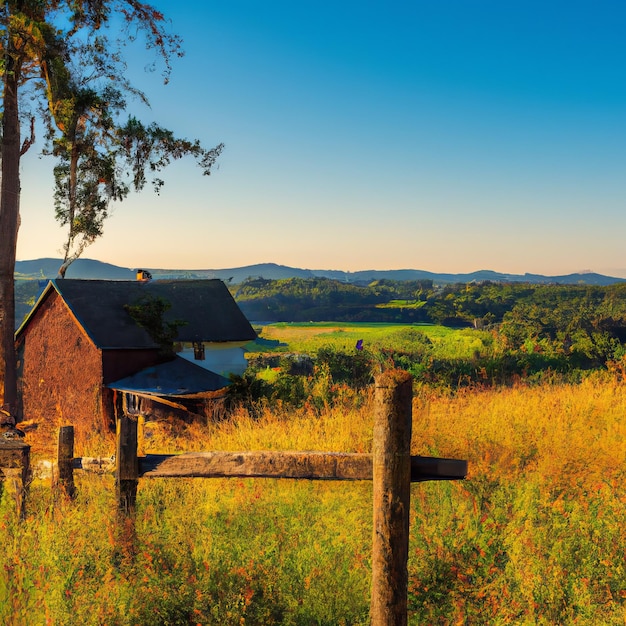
(23, 483)
(127, 465)
(15, 461)
(65, 456)
(391, 458)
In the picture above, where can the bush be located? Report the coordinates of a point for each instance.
(354, 369)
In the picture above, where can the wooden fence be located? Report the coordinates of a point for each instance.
(390, 466)
(15, 464)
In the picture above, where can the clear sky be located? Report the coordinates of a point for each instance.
(443, 135)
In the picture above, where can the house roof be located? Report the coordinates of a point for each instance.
(206, 307)
(177, 377)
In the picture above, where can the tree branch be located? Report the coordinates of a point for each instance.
(30, 140)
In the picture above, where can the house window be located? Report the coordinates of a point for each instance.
(198, 351)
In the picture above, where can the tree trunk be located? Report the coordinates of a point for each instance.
(68, 258)
(9, 224)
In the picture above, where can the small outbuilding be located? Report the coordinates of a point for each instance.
(88, 345)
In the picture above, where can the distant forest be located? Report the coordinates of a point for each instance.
(585, 322)
(586, 325)
(464, 304)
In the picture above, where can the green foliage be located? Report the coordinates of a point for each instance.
(26, 292)
(408, 338)
(260, 388)
(528, 330)
(304, 299)
(352, 368)
(433, 355)
(76, 56)
(545, 309)
(587, 325)
(149, 149)
(290, 389)
(248, 389)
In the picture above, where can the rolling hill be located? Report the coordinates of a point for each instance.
(92, 269)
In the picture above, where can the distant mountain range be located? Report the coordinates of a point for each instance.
(91, 269)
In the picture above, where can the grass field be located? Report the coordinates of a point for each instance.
(536, 535)
(308, 338)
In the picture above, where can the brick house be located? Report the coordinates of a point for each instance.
(82, 350)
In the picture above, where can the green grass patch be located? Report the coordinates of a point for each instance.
(402, 304)
(268, 374)
(310, 337)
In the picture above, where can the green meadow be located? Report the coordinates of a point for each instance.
(308, 338)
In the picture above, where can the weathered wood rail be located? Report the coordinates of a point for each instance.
(390, 466)
(288, 464)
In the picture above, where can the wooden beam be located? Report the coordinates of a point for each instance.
(259, 464)
(280, 464)
(96, 464)
(433, 468)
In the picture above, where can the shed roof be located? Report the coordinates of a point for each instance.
(177, 377)
(206, 307)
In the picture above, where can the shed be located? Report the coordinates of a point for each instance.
(83, 344)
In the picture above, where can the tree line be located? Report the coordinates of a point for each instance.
(534, 329)
(461, 304)
(325, 299)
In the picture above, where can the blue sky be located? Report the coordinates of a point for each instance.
(446, 135)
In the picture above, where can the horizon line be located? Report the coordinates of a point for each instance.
(273, 263)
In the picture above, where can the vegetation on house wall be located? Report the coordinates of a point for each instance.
(149, 313)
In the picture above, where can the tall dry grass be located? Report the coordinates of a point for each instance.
(536, 535)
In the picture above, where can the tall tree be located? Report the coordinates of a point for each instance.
(44, 45)
(100, 157)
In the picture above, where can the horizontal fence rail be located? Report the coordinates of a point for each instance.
(96, 465)
(256, 464)
(288, 464)
(253, 464)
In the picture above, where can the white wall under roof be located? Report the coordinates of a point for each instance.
(221, 358)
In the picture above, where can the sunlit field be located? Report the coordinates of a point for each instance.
(535, 535)
(308, 338)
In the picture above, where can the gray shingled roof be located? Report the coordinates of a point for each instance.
(206, 306)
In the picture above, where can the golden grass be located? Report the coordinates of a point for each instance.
(536, 535)
(551, 430)
(340, 429)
